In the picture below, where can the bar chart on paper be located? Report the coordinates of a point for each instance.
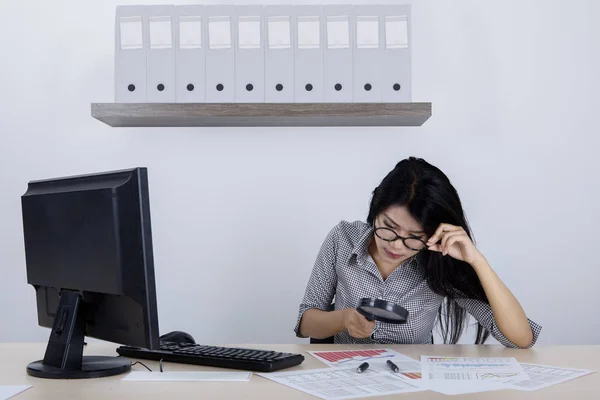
(342, 357)
(376, 358)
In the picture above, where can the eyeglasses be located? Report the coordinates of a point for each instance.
(412, 242)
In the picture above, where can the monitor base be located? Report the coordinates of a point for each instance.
(91, 367)
(64, 357)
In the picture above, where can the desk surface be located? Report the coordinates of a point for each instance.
(14, 358)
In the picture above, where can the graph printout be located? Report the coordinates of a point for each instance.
(409, 368)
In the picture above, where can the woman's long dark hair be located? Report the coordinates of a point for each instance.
(431, 199)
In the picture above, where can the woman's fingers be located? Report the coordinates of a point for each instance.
(441, 229)
(446, 240)
(359, 326)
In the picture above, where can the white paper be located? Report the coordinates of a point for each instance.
(462, 387)
(409, 368)
(188, 376)
(131, 33)
(190, 32)
(249, 32)
(279, 32)
(459, 375)
(497, 369)
(160, 32)
(6, 392)
(396, 32)
(309, 32)
(338, 32)
(542, 376)
(219, 32)
(367, 32)
(343, 382)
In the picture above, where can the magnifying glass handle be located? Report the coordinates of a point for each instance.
(368, 316)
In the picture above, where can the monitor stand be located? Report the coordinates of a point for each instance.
(64, 357)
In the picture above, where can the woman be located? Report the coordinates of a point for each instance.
(415, 250)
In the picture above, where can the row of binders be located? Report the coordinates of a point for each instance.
(262, 53)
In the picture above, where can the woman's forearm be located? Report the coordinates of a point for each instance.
(508, 313)
(321, 324)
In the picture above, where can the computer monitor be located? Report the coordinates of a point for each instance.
(88, 250)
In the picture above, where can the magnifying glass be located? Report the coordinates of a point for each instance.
(383, 311)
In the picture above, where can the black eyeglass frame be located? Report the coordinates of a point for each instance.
(404, 239)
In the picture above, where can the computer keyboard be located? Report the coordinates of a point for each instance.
(215, 356)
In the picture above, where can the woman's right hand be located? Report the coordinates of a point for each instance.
(357, 325)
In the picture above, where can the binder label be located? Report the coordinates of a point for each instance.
(219, 32)
(131, 33)
(396, 32)
(309, 29)
(160, 32)
(338, 32)
(367, 32)
(190, 32)
(249, 32)
(279, 32)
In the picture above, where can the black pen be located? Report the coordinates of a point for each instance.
(362, 367)
(393, 366)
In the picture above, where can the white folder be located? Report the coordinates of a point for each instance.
(130, 54)
(249, 54)
(397, 85)
(279, 54)
(368, 48)
(220, 54)
(338, 58)
(190, 54)
(160, 56)
(308, 54)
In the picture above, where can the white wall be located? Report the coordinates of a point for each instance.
(241, 213)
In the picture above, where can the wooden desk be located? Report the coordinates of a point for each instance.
(14, 358)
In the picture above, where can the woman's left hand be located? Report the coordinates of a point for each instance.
(454, 241)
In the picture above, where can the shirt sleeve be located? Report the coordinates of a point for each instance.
(482, 312)
(322, 282)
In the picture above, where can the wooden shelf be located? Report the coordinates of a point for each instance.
(261, 114)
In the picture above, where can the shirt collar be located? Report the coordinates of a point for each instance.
(361, 247)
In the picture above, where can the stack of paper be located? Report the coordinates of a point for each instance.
(457, 375)
(343, 382)
(542, 376)
(442, 374)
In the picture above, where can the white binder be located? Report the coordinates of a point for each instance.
(220, 54)
(368, 44)
(308, 54)
(338, 58)
(396, 65)
(249, 54)
(160, 56)
(190, 54)
(130, 54)
(279, 54)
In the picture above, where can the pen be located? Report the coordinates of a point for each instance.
(393, 366)
(362, 367)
